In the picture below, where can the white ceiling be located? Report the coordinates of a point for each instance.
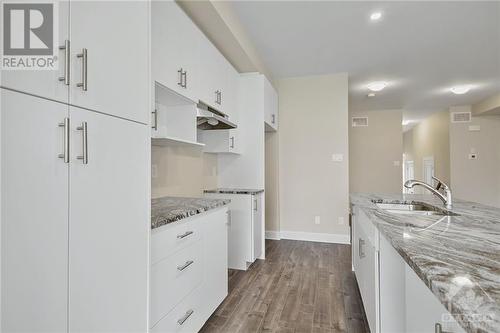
(420, 48)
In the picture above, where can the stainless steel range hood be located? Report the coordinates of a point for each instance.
(209, 118)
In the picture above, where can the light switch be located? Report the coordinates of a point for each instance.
(337, 157)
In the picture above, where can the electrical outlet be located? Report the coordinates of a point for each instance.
(154, 171)
(341, 220)
(337, 157)
(317, 219)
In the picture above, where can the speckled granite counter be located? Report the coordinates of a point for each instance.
(234, 191)
(170, 209)
(458, 257)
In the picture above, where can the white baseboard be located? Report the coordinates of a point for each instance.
(273, 235)
(309, 236)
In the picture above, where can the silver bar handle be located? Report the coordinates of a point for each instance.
(185, 79)
(155, 120)
(361, 251)
(232, 142)
(67, 59)
(438, 328)
(181, 73)
(84, 157)
(216, 97)
(220, 97)
(185, 265)
(255, 205)
(185, 317)
(65, 154)
(184, 235)
(273, 118)
(84, 57)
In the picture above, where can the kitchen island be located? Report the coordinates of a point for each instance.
(457, 257)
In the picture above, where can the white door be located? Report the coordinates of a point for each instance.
(34, 215)
(174, 48)
(428, 169)
(409, 173)
(44, 83)
(115, 35)
(109, 225)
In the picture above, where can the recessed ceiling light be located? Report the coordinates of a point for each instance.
(375, 16)
(377, 85)
(459, 90)
(371, 95)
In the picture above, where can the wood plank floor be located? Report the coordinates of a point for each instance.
(300, 287)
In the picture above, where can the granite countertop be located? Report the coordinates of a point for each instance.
(170, 209)
(458, 257)
(235, 191)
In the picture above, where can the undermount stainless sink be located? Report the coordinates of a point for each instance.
(412, 208)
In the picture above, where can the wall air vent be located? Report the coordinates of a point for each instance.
(461, 117)
(359, 121)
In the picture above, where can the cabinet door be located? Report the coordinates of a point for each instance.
(257, 226)
(34, 215)
(115, 35)
(109, 225)
(44, 83)
(211, 74)
(174, 48)
(270, 106)
(215, 249)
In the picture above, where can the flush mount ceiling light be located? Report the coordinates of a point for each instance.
(375, 16)
(460, 90)
(377, 85)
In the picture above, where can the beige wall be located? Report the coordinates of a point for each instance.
(313, 125)
(272, 181)
(476, 180)
(430, 138)
(182, 171)
(375, 152)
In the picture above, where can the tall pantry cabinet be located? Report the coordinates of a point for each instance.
(74, 178)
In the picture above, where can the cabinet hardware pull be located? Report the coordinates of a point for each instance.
(220, 97)
(65, 154)
(84, 157)
(216, 97)
(155, 120)
(438, 328)
(255, 207)
(361, 244)
(67, 59)
(184, 235)
(180, 71)
(185, 79)
(274, 118)
(186, 265)
(232, 142)
(228, 213)
(84, 57)
(185, 317)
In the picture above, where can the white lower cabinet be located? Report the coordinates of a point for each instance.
(74, 233)
(245, 234)
(394, 298)
(34, 215)
(188, 276)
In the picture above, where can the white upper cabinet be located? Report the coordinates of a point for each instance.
(110, 57)
(44, 83)
(270, 107)
(174, 49)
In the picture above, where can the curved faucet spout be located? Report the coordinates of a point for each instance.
(446, 197)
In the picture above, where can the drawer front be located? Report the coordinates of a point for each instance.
(188, 316)
(173, 278)
(171, 238)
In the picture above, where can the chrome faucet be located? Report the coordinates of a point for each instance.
(446, 197)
